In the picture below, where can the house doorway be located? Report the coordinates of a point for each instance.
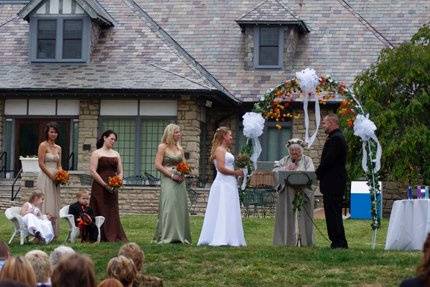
(29, 133)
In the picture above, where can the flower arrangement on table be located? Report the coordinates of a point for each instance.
(62, 177)
(115, 182)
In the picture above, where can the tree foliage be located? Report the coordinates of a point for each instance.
(395, 91)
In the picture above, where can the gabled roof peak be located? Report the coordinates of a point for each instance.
(271, 12)
(91, 7)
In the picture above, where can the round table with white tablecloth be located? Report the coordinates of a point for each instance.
(409, 224)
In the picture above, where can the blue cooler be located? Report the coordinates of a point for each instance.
(360, 200)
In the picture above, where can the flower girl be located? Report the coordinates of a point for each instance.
(38, 224)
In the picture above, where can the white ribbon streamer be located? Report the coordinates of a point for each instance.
(365, 129)
(308, 81)
(245, 178)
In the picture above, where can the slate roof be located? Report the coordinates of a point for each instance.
(182, 44)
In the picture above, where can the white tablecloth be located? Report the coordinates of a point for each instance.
(409, 224)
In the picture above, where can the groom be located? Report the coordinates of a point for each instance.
(332, 176)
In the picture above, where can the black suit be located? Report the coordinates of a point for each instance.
(332, 176)
(88, 232)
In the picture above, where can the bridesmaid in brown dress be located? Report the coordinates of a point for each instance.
(106, 162)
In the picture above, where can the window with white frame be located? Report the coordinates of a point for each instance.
(59, 39)
(268, 47)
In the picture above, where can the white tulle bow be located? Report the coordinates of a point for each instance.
(253, 126)
(365, 129)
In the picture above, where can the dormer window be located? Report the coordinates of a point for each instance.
(59, 39)
(60, 31)
(269, 47)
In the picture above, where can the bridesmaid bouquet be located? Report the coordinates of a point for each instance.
(115, 182)
(183, 168)
(62, 177)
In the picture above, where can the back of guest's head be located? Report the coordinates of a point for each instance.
(81, 193)
(132, 251)
(4, 250)
(11, 283)
(39, 260)
(75, 270)
(20, 270)
(123, 269)
(59, 253)
(110, 282)
(36, 195)
(423, 270)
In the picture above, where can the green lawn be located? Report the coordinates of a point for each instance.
(258, 264)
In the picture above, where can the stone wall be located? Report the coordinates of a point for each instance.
(2, 119)
(88, 124)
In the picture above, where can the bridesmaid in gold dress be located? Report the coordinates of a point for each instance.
(173, 217)
(106, 162)
(49, 154)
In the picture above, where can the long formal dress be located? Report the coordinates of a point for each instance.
(36, 221)
(51, 204)
(286, 232)
(173, 215)
(105, 203)
(223, 220)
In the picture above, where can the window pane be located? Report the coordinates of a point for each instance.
(47, 29)
(46, 35)
(126, 144)
(268, 56)
(72, 29)
(72, 39)
(72, 49)
(151, 133)
(269, 37)
(273, 143)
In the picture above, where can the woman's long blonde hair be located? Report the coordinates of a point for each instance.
(167, 137)
(218, 139)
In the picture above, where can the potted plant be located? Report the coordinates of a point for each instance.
(30, 164)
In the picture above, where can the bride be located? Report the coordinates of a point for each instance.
(223, 222)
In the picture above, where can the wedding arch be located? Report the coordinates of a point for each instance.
(275, 105)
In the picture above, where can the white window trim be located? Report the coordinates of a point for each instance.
(257, 49)
(86, 38)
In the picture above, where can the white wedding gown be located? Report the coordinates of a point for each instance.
(223, 221)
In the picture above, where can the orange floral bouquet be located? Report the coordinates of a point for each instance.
(62, 177)
(183, 168)
(115, 182)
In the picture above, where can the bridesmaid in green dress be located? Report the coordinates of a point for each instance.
(173, 217)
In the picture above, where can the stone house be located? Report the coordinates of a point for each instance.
(135, 65)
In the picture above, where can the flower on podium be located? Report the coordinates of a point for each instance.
(183, 168)
(115, 182)
(62, 177)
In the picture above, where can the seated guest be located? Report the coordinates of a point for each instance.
(59, 253)
(19, 270)
(285, 222)
(423, 270)
(75, 270)
(110, 282)
(4, 253)
(39, 260)
(134, 252)
(84, 217)
(38, 224)
(122, 269)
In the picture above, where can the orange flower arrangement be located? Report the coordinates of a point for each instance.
(62, 177)
(183, 167)
(115, 181)
(346, 112)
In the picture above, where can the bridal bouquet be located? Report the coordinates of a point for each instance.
(62, 177)
(115, 182)
(183, 168)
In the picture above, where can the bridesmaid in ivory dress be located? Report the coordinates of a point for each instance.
(223, 221)
(49, 154)
(104, 163)
(173, 217)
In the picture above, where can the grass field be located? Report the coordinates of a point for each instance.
(258, 264)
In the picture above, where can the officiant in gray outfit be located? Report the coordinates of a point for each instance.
(285, 222)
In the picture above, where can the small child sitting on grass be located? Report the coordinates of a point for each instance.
(84, 217)
(38, 224)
